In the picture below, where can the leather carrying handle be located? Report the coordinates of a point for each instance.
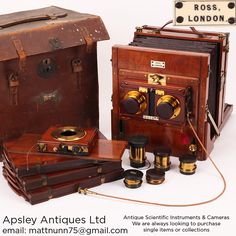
(201, 35)
(167, 23)
(32, 19)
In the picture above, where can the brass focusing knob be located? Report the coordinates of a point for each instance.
(168, 107)
(134, 102)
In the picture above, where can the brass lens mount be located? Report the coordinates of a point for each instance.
(168, 107)
(134, 102)
(68, 134)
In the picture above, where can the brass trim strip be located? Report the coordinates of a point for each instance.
(155, 181)
(132, 182)
(188, 167)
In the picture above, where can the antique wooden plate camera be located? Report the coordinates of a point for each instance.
(165, 79)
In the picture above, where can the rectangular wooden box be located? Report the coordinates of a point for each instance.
(24, 159)
(38, 181)
(58, 190)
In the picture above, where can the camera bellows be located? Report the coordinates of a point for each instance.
(137, 150)
(187, 165)
(155, 177)
(133, 178)
(162, 158)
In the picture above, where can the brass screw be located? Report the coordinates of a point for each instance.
(192, 148)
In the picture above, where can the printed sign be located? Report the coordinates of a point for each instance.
(217, 12)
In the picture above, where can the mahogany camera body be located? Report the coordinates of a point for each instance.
(165, 76)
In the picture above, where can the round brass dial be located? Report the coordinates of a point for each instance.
(134, 102)
(168, 107)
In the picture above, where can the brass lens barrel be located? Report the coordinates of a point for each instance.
(137, 156)
(187, 168)
(162, 163)
(137, 151)
(187, 165)
(162, 158)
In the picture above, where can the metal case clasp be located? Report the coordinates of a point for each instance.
(157, 79)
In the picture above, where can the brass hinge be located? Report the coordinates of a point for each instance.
(99, 170)
(44, 180)
(103, 180)
(226, 48)
(50, 195)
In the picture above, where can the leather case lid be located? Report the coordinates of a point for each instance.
(54, 27)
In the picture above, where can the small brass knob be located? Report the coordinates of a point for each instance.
(192, 147)
(134, 102)
(77, 150)
(63, 148)
(168, 107)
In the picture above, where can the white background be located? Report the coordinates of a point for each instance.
(121, 18)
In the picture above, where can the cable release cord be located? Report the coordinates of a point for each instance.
(89, 192)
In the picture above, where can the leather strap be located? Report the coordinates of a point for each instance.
(88, 39)
(18, 21)
(21, 54)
